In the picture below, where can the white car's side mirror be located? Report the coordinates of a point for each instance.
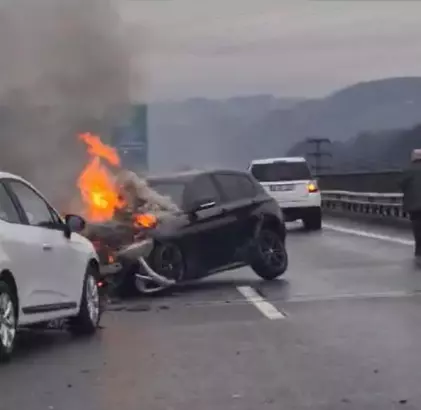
(75, 223)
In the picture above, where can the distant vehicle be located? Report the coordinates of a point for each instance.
(47, 270)
(226, 220)
(290, 182)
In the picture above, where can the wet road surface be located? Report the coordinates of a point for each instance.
(346, 335)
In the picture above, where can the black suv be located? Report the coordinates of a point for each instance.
(227, 220)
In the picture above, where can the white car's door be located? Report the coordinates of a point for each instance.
(54, 288)
(78, 251)
(21, 252)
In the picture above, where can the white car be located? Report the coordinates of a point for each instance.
(47, 270)
(290, 182)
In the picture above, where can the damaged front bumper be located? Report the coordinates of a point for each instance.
(147, 280)
(110, 269)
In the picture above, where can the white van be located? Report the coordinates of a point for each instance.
(290, 182)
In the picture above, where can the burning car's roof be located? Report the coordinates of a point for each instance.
(186, 175)
(182, 176)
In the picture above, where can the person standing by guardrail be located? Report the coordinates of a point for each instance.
(411, 189)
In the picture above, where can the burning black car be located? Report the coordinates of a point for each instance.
(224, 220)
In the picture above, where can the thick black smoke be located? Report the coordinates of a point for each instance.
(64, 69)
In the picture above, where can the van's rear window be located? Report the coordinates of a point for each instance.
(281, 171)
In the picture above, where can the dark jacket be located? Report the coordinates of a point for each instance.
(411, 187)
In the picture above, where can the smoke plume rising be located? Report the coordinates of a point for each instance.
(64, 69)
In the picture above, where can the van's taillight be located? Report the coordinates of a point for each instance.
(312, 187)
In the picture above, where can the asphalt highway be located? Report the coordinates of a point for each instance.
(341, 330)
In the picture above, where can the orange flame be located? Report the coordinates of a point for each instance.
(96, 183)
(145, 220)
(97, 148)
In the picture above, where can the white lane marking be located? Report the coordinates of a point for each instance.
(366, 234)
(376, 295)
(266, 308)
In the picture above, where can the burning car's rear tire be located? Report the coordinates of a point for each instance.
(270, 258)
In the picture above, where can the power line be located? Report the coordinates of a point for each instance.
(319, 154)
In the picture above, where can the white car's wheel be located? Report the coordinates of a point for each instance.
(8, 322)
(87, 321)
(313, 221)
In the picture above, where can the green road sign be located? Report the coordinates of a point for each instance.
(131, 139)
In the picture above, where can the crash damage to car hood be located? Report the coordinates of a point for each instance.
(139, 199)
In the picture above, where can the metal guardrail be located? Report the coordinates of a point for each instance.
(369, 203)
(364, 193)
(379, 181)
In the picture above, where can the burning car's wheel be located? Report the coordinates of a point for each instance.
(166, 260)
(270, 258)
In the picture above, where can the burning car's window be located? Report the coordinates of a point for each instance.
(201, 188)
(8, 211)
(281, 171)
(236, 187)
(35, 208)
(172, 189)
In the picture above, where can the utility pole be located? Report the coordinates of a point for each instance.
(319, 153)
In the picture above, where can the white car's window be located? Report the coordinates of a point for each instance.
(8, 211)
(281, 171)
(36, 209)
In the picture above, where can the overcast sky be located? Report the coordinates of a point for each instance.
(223, 48)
